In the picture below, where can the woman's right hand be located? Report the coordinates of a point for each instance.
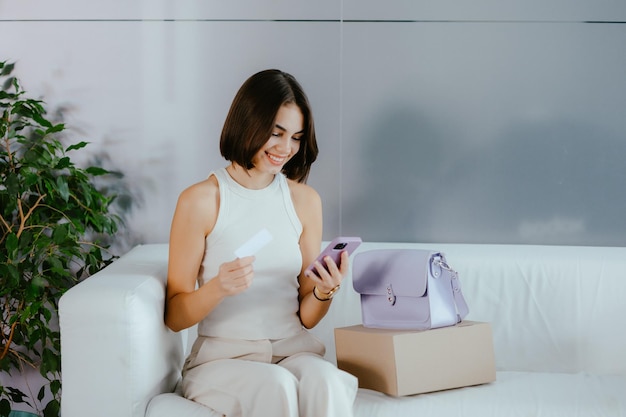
(236, 276)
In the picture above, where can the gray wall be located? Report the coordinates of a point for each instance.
(449, 121)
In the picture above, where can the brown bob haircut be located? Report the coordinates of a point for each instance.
(251, 119)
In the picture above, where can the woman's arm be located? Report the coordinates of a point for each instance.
(194, 218)
(309, 208)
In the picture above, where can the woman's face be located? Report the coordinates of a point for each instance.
(284, 142)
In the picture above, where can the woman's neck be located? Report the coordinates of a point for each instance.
(250, 179)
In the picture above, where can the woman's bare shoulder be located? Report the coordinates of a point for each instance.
(202, 192)
(307, 203)
(199, 203)
(303, 194)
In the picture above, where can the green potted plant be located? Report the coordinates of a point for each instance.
(52, 218)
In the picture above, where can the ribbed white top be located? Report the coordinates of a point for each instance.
(268, 309)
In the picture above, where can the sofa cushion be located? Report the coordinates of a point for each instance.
(173, 404)
(512, 394)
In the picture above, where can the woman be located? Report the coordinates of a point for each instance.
(253, 355)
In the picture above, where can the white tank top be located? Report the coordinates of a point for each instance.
(268, 309)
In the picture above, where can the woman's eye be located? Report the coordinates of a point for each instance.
(298, 138)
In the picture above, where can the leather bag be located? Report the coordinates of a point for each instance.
(407, 289)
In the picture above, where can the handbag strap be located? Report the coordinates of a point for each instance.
(461, 305)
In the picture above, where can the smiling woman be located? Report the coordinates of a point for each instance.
(253, 311)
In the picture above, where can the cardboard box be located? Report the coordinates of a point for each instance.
(400, 362)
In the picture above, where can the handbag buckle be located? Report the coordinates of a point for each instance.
(441, 263)
(454, 279)
(391, 297)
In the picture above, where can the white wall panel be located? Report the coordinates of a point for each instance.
(170, 9)
(488, 121)
(153, 95)
(484, 132)
(71, 9)
(516, 10)
(543, 10)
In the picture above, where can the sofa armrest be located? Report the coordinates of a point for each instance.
(116, 351)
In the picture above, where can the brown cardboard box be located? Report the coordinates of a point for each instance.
(400, 362)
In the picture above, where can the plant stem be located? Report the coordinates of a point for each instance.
(5, 351)
(4, 222)
(8, 343)
(23, 217)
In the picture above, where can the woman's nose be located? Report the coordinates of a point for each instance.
(284, 144)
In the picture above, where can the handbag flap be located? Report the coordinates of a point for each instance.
(405, 270)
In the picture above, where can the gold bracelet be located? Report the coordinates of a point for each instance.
(325, 296)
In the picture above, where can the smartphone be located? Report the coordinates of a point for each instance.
(334, 249)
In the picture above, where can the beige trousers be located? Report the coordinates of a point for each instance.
(261, 378)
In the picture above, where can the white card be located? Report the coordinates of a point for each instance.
(254, 244)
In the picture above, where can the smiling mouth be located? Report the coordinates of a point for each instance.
(276, 159)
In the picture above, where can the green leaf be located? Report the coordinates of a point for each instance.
(13, 277)
(11, 245)
(37, 115)
(57, 266)
(5, 407)
(96, 171)
(31, 178)
(4, 273)
(7, 85)
(16, 395)
(34, 333)
(63, 188)
(47, 314)
(52, 409)
(63, 163)
(76, 146)
(55, 387)
(56, 128)
(7, 68)
(86, 188)
(31, 157)
(49, 363)
(60, 233)
(12, 183)
(36, 287)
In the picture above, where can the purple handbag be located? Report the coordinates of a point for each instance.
(407, 289)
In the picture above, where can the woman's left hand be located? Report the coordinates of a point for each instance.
(329, 278)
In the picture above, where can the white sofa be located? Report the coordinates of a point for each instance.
(557, 315)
